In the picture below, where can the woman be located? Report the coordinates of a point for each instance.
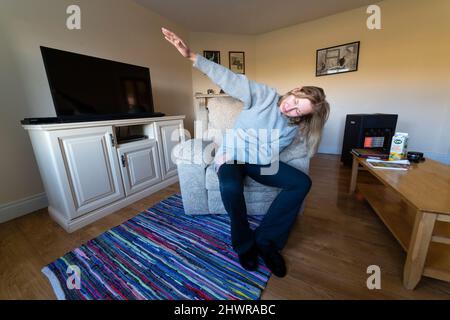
(304, 109)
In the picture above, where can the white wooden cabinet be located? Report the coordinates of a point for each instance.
(82, 170)
(140, 165)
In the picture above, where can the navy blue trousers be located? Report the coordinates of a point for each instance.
(279, 219)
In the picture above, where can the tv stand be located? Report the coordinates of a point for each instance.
(89, 118)
(87, 174)
(40, 120)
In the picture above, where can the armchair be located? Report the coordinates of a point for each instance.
(199, 182)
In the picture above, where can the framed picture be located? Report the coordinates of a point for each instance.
(214, 56)
(237, 61)
(338, 59)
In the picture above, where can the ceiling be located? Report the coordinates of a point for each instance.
(247, 16)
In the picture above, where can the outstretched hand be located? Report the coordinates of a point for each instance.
(178, 43)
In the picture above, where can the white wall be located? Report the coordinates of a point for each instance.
(199, 41)
(404, 69)
(113, 29)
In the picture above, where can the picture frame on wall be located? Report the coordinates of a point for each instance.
(338, 59)
(213, 56)
(237, 61)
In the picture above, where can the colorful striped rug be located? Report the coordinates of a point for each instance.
(159, 254)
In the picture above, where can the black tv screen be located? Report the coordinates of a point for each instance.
(85, 87)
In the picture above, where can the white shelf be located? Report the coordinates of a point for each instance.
(89, 124)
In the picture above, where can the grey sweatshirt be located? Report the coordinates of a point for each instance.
(261, 131)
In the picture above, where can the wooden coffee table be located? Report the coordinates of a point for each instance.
(415, 206)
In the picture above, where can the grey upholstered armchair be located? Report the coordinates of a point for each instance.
(199, 182)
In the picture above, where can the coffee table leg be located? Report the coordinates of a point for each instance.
(355, 166)
(418, 248)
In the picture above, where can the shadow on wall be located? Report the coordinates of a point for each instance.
(182, 104)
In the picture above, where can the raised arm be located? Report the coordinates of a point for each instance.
(236, 85)
(179, 44)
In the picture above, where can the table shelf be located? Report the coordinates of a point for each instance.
(414, 205)
(399, 219)
(395, 214)
(437, 264)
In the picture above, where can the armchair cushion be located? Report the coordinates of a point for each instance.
(222, 113)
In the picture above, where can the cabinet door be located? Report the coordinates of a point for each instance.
(139, 165)
(170, 133)
(92, 168)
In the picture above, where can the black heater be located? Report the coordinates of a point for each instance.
(369, 131)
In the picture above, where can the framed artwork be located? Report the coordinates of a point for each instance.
(213, 56)
(337, 59)
(237, 61)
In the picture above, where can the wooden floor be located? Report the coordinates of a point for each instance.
(328, 251)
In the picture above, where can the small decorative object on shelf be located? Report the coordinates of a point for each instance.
(210, 91)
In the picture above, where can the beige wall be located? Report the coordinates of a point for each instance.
(403, 68)
(224, 43)
(113, 29)
(199, 41)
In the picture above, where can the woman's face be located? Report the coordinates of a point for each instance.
(293, 106)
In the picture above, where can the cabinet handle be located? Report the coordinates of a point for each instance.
(113, 141)
(124, 160)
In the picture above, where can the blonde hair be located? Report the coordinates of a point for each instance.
(311, 125)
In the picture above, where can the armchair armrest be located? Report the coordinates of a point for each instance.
(192, 157)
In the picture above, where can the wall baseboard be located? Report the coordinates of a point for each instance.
(15, 209)
(329, 150)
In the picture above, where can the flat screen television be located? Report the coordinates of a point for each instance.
(86, 88)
